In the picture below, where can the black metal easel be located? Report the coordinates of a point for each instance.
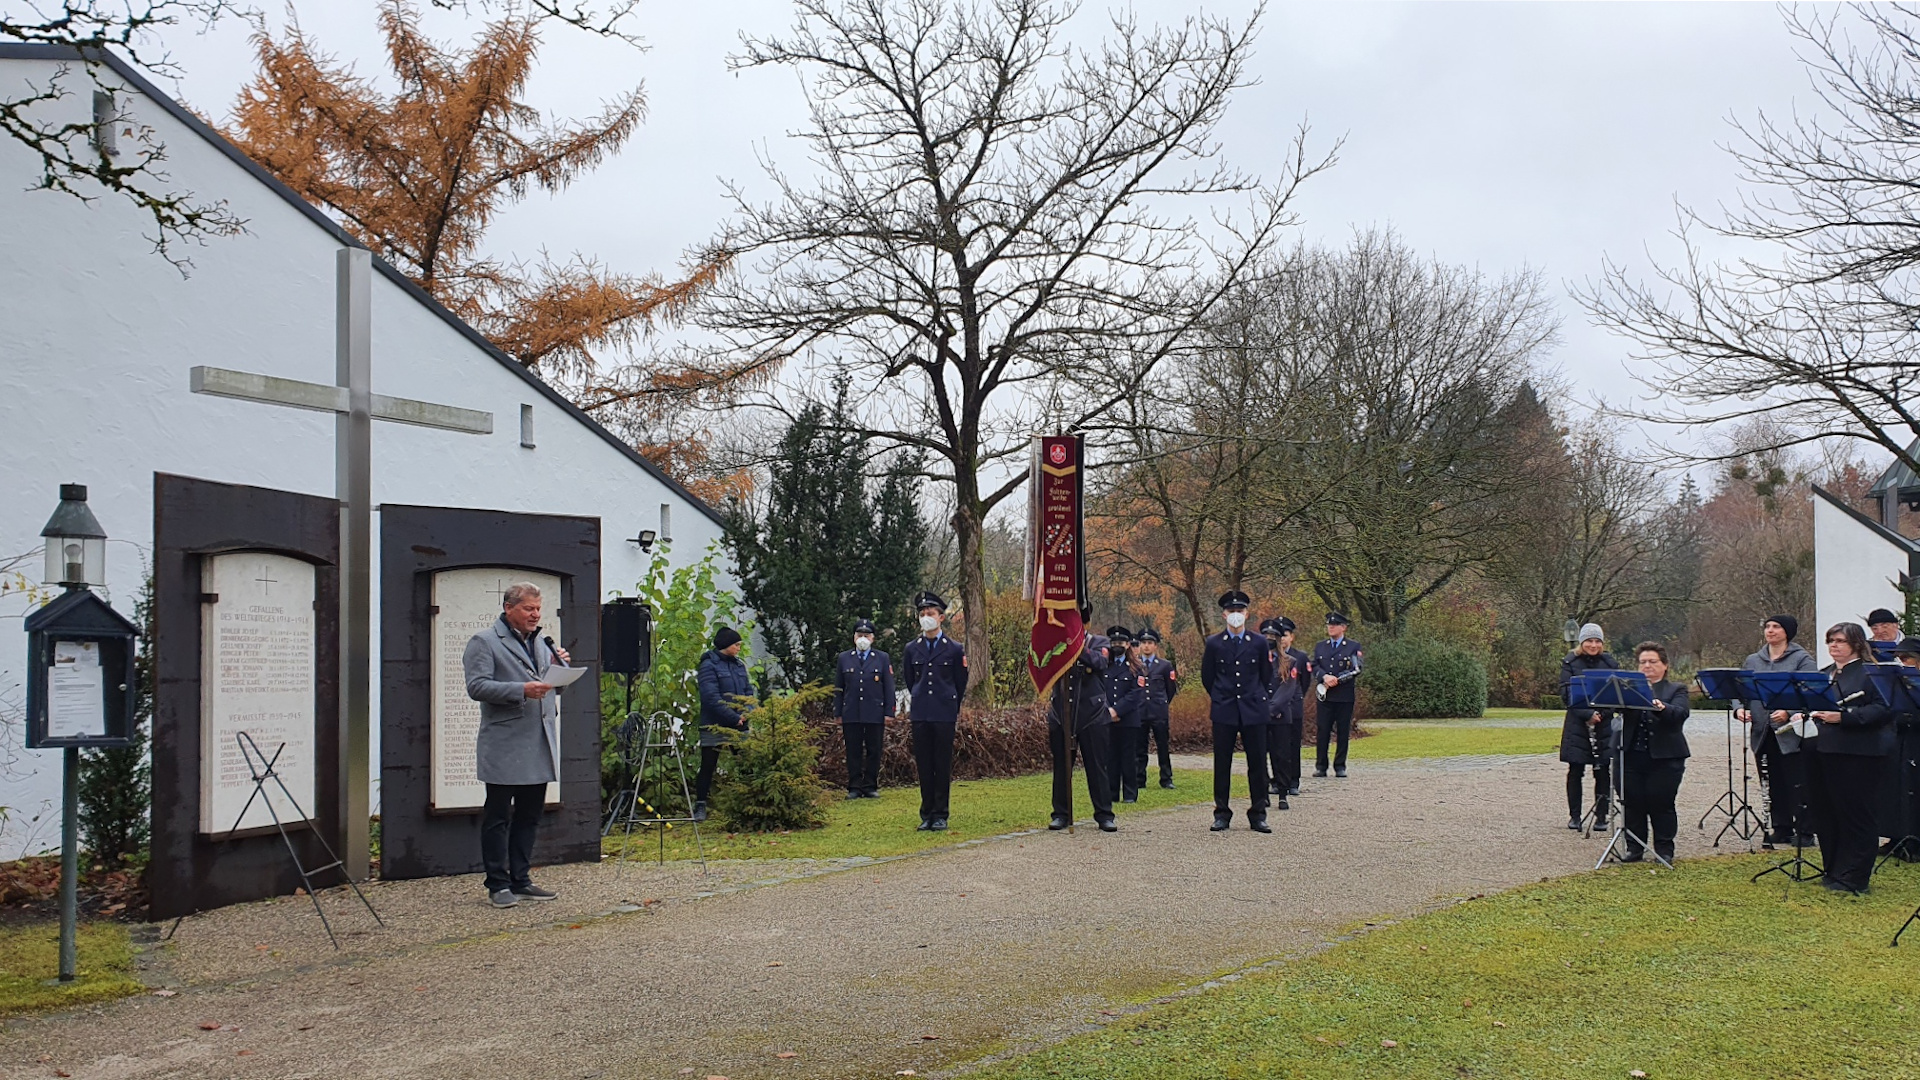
(640, 738)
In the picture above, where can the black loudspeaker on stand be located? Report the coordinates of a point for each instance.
(626, 636)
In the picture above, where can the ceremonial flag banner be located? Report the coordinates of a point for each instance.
(1056, 561)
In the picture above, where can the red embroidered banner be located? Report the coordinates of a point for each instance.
(1056, 560)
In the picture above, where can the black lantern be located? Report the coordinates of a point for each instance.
(76, 544)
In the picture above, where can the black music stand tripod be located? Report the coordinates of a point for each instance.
(1735, 687)
(1615, 692)
(1796, 692)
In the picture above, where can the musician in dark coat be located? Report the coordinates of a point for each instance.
(1163, 682)
(1655, 758)
(934, 667)
(1850, 766)
(1237, 672)
(1905, 819)
(863, 700)
(1283, 703)
(1336, 666)
(1776, 749)
(1078, 702)
(1127, 702)
(723, 682)
(1584, 732)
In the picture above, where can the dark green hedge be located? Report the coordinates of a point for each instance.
(1418, 678)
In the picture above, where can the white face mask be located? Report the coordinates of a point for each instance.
(929, 623)
(1236, 619)
(863, 643)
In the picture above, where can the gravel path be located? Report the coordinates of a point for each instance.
(851, 969)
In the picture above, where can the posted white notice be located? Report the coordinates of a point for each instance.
(76, 698)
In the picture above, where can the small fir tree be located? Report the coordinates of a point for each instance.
(771, 782)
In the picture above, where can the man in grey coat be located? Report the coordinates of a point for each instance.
(518, 749)
(1775, 747)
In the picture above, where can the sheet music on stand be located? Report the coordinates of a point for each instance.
(1615, 691)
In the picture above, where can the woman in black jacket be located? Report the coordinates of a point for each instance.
(1582, 733)
(1849, 769)
(1656, 757)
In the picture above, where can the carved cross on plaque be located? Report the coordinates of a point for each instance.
(267, 580)
(352, 400)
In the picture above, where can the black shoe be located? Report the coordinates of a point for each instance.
(1058, 822)
(1106, 824)
(1221, 823)
(1294, 790)
(1319, 772)
(1634, 856)
(1665, 851)
(869, 794)
(534, 892)
(1833, 886)
(1131, 798)
(1273, 787)
(1600, 823)
(1281, 803)
(938, 824)
(1259, 825)
(1574, 823)
(1168, 784)
(700, 811)
(925, 826)
(1340, 772)
(853, 795)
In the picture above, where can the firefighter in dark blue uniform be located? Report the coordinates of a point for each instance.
(1078, 703)
(1282, 699)
(934, 667)
(1336, 666)
(1237, 673)
(1163, 681)
(863, 700)
(1303, 672)
(1127, 702)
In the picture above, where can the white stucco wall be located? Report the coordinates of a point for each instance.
(1855, 569)
(97, 334)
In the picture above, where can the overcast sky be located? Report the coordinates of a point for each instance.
(1493, 135)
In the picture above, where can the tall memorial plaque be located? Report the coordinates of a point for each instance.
(466, 602)
(257, 676)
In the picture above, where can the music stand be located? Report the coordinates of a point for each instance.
(1796, 692)
(1616, 691)
(1735, 687)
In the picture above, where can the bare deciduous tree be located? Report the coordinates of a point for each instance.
(996, 240)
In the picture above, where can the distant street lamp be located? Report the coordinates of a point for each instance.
(76, 544)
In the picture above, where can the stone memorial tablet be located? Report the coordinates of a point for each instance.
(467, 602)
(257, 676)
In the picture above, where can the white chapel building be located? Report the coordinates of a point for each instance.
(98, 336)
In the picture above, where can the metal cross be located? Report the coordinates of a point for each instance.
(355, 406)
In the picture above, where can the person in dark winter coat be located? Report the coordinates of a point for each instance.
(1656, 755)
(1775, 747)
(1583, 733)
(723, 680)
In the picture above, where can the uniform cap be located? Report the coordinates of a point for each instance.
(1150, 634)
(1234, 598)
(1271, 626)
(929, 599)
(1334, 618)
(1909, 646)
(864, 626)
(1119, 633)
(1285, 624)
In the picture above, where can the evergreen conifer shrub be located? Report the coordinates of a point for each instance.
(771, 781)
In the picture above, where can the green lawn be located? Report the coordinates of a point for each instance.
(30, 960)
(1693, 974)
(1418, 739)
(887, 825)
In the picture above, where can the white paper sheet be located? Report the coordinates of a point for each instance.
(557, 677)
(76, 699)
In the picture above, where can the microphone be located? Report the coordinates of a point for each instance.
(554, 649)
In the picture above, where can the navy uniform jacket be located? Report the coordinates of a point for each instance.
(1162, 684)
(935, 670)
(1340, 658)
(863, 689)
(1237, 672)
(1284, 699)
(1126, 692)
(1302, 674)
(1082, 691)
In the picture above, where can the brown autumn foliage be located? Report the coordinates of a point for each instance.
(419, 173)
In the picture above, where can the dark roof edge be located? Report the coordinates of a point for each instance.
(1909, 546)
(32, 51)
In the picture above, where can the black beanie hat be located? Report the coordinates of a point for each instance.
(724, 637)
(1788, 623)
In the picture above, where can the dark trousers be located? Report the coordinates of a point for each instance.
(1155, 731)
(1843, 791)
(1253, 739)
(1602, 792)
(508, 823)
(703, 782)
(1906, 790)
(1299, 736)
(864, 744)
(1784, 795)
(1093, 739)
(1283, 750)
(933, 760)
(1335, 717)
(1649, 787)
(1121, 780)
